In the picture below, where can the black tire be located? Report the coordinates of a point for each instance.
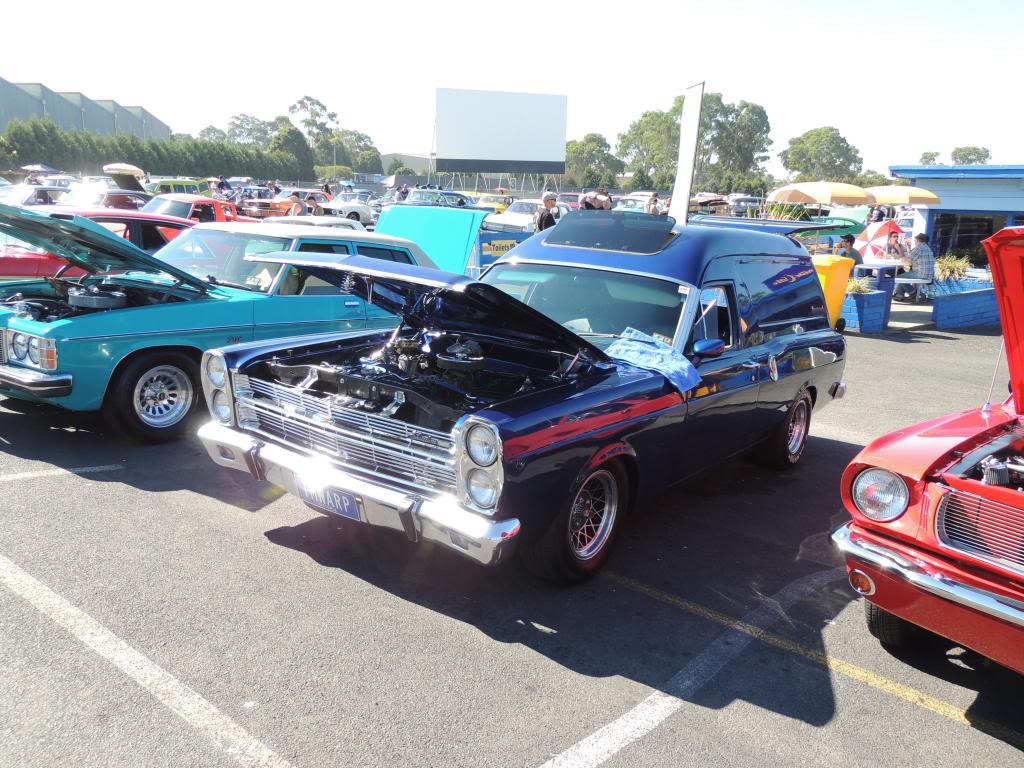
(560, 555)
(354, 216)
(786, 445)
(175, 395)
(892, 631)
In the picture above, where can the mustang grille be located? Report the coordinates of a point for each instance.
(423, 459)
(988, 530)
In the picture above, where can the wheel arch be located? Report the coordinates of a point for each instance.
(622, 455)
(195, 353)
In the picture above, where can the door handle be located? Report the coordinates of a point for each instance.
(351, 303)
(751, 366)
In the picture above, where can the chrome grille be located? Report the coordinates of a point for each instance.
(985, 529)
(3, 347)
(423, 459)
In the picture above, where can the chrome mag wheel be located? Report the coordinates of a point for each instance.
(798, 425)
(592, 517)
(163, 396)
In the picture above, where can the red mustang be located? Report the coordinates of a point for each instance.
(937, 537)
(149, 231)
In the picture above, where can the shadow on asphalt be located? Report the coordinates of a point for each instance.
(928, 335)
(726, 541)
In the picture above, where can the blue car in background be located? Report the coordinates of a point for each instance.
(127, 338)
(534, 410)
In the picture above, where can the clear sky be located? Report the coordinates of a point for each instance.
(896, 78)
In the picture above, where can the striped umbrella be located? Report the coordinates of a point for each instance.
(871, 242)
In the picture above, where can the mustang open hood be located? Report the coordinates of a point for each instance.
(84, 243)
(429, 297)
(1006, 255)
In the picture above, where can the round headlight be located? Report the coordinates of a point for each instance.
(880, 494)
(221, 406)
(482, 487)
(482, 445)
(216, 371)
(19, 346)
(33, 350)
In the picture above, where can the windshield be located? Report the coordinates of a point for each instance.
(423, 196)
(219, 257)
(167, 207)
(594, 303)
(521, 206)
(631, 204)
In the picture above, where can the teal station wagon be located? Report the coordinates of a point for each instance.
(127, 338)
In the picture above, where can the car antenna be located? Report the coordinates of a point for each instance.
(987, 407)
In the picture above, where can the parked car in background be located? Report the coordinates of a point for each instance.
(340, 222)
(126, 339)
(569, 199)
(745, 205)
(492, 201)
(147, 231)
(631, 203)
(181, 186)
(519, 217)
(281, 202)
(59, 180)
(30, 194)
(195, 207)
(438, 197)
(591, 367)
(936, 544)
(352, 205)
(99, 196)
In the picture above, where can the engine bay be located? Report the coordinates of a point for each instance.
(428, 378)
(61, 299)
(999, 462)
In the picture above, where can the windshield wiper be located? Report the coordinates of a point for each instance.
(217, 281)
(603, 335)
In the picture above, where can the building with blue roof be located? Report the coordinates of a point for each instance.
(977, 201)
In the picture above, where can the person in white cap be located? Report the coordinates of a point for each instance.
(546, 215)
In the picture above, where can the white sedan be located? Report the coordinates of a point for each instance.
(351, 205)
(520, 216)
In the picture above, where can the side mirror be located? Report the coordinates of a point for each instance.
(708, 348)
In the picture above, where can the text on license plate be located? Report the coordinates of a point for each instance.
(331, 500)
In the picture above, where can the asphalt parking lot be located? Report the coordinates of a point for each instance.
(156, 610)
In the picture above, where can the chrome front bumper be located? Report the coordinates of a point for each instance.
(930, 580)
(443, 521)
(35, 383)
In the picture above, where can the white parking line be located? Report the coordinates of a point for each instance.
(175, 695)
(11, 477)
(658, 707)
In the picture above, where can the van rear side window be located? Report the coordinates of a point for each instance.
(785, 294)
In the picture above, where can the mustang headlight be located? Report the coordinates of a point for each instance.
(483, 488)
(880, 494)
(482, 445)
(19, 346)
(216, 370)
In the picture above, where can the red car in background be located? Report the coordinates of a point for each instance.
(937, 537)
(572, 199)
(148, 231)
(196, 207)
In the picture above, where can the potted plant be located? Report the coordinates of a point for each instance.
(951, 275)
(864, 306)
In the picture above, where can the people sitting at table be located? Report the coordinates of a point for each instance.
(894, 249)
(846, 249)
(922, 267)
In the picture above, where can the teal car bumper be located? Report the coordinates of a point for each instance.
(34, 384)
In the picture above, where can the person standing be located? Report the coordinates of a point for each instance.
(327, 189)
(652, 206)
(297, 209)
(846, 249)
(922, 267)
(545, 218)
(313, 206)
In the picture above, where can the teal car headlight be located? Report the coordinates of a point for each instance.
(19, 346)
(33, 351)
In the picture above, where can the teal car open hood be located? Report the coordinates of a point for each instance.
(85, 244)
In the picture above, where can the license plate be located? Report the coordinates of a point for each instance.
(333, 500)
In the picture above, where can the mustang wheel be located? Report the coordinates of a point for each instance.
(153, 396)
(580, 538)
(354, 215)
(786, 445)
(892, 631)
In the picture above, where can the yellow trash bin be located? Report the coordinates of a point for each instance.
(834, 273)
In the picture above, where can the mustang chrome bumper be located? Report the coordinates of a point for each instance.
(35, 383)
(443, 521)
(927, 579)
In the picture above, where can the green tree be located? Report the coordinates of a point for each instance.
(246, 129)
(929, 158)
(394, 166)
(367, 161)
(400, 170)
(340, 172)
(213, 133)
(319, 123)
(651, 143)
(639, 180)
(821, 154)
(290, 139)
(869, 179)
(970, 156)
(591, 156)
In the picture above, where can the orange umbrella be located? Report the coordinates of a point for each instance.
(871, 242)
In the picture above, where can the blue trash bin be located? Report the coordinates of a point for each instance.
(881, 279)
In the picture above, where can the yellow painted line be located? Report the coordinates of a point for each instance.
(845, 668)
